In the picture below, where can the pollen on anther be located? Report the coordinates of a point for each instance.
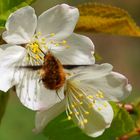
(91, 105)
(38, 33)
(80, 95)
(71, 113)
(105, 104)
(81, 103)
(69, 117)
(86, 112)
(52, 34)
(85, 121)
(57, 44)
(81, 123)
(77, 113)
(90, 96)
(46, 47)
(99, 108)
(72, 106)
(64, 41)
(37, 57)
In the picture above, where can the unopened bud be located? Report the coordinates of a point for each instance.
(125, 137)
(129, 107)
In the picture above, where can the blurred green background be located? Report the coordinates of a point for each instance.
(122, 52)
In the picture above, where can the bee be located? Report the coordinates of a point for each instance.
(52, 71)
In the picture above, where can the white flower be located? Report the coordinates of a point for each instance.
(86, 94)
(28, 39)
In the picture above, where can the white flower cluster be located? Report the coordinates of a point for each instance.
(86, 90)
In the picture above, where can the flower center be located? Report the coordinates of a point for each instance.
(80, 103)
(39, 46)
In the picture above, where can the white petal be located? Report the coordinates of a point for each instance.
(104, 84)
(77, 50)
(10, 57)
(32, 92)
(114, 86)
(92, 72)
(45, 116)
(92, 117)
(60, 20)
(20, 26)
(99, 119)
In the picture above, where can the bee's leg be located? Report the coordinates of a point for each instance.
(58, 95)
(40, 80)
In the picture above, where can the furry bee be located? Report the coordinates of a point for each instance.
(52, 71)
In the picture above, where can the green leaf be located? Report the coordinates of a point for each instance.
(102, 18)
(3, 103)
(8, 6)
(62, 129)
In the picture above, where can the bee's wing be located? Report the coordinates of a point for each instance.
(37, 67)
(74, 66)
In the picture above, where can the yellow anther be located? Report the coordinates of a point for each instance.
(38, 33)
(81, 103)
(97, 95)
(80, 95)
(85, 121)
(81, 123)
(100, 93)
(105, 104)
(64, 41)
(86, 112)
(37, 63)
(37, 57)
(72, 106)
(43, 39)
(57, 44)
(46, 47)
(52, 34)
(71, 113)
(77, 113)
(42, 58)
(35, 45)
(99, 108)
(91, 105)
(101, 96)
(35, 50)
(90, 96)
(69, 117)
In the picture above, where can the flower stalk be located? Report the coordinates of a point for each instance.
(3, 103)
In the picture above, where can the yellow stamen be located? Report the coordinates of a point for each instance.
(52, 34)
(39, 33)
(85, 121)
(71, 113)
(105, 104)
(57, 44)
(64, 41)
(81, 103)
(86, 112)
(77, 113)
(90, 96)
(99, 108)
(69, 117)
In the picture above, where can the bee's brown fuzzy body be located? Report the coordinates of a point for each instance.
(52, 72)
